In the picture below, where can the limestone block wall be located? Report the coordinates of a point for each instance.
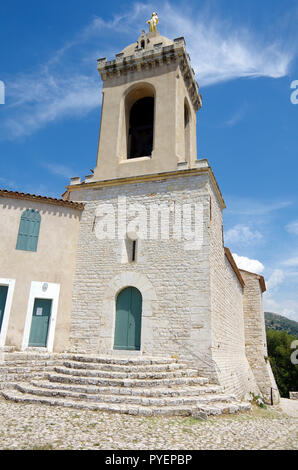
(173, 281)
(227, 321)
(255, 336)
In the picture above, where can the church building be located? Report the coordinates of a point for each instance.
(131, 262)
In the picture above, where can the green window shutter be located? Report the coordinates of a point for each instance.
(29, 230)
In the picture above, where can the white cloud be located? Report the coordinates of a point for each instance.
(292, 227)
(67, 84)
(248, 264)
(242, 234)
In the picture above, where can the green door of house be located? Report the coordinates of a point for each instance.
(128, 319)
(3, 297)
(40, 322)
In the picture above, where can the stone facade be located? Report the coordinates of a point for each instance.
(193, 298)
(197, 307)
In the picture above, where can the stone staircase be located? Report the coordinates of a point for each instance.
(132, 385)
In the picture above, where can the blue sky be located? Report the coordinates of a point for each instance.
(245, 57)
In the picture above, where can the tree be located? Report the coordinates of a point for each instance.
(280, 351)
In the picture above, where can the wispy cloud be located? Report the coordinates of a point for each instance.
(253, 207)
(219, 49)
(291, 261)
(242, 234)
(54, 98)
(292, 227)
(235, 118)
(67, 84)
(276, 278)
(58, 170)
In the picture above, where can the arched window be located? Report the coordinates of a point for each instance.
(140, 129)
(29, 230)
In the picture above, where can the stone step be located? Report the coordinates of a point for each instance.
(28, 362)
(100, 381)
(218, 408)
(30, 356)
(126, 375)
(122, 360)
(200, 411)
(22, 368)
(125, 368)
(190, 390)
(125, 399)
(7, 349)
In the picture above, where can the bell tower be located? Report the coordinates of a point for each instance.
(149, 104)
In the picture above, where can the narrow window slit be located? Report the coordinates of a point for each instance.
(134, 250)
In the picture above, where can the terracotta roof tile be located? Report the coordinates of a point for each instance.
(42, 199)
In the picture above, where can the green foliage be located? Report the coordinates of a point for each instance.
(280, 351)
(258, 400)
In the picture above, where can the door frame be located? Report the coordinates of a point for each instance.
(10, 283)
(108, 311)
(42, 290)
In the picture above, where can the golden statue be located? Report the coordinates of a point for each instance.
(153, 22)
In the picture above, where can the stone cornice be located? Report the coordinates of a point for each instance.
(152, 177)
(150, 59)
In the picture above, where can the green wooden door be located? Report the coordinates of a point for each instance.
(128, 319)
(40, 322)
(3, 297)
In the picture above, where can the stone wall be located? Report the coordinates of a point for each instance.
(227, 322)
(192, 299)
(255, 337)
(294, 395)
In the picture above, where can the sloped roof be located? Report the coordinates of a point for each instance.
(43, 199)
(234, 266)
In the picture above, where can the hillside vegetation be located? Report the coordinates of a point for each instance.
(280, 323)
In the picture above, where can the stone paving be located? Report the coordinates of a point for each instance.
(42, 427)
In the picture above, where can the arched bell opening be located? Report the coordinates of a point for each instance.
(138, 121)
(141, 128)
